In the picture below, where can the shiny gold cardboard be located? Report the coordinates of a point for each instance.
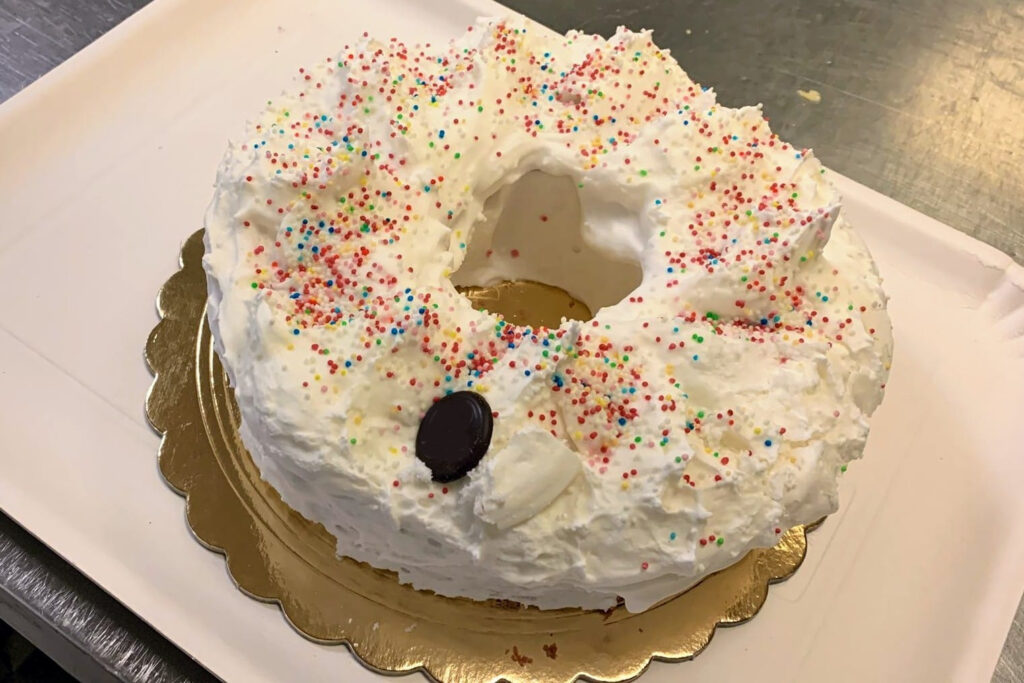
(276, 555)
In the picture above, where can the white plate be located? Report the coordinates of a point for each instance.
(106, 166)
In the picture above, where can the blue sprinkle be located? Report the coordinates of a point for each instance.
(440, 133)
(768, 442)
(295, 295)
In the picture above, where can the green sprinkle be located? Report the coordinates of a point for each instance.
(720, 540)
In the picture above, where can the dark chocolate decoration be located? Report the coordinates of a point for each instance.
(454, 435)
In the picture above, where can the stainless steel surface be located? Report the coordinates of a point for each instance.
(922, 100)
(91, 635)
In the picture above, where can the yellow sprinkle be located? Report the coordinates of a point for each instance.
(625, 485)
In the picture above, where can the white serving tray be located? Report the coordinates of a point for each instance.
(106, 165)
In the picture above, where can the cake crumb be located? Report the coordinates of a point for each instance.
(551, 651)
(521, 660)
(810, 95)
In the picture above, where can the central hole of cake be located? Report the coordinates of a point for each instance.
(530, 259)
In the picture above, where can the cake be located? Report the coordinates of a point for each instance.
(739, 339)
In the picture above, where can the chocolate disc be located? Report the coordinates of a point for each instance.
(454, 435)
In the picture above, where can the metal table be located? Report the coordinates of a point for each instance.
(922, 100)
